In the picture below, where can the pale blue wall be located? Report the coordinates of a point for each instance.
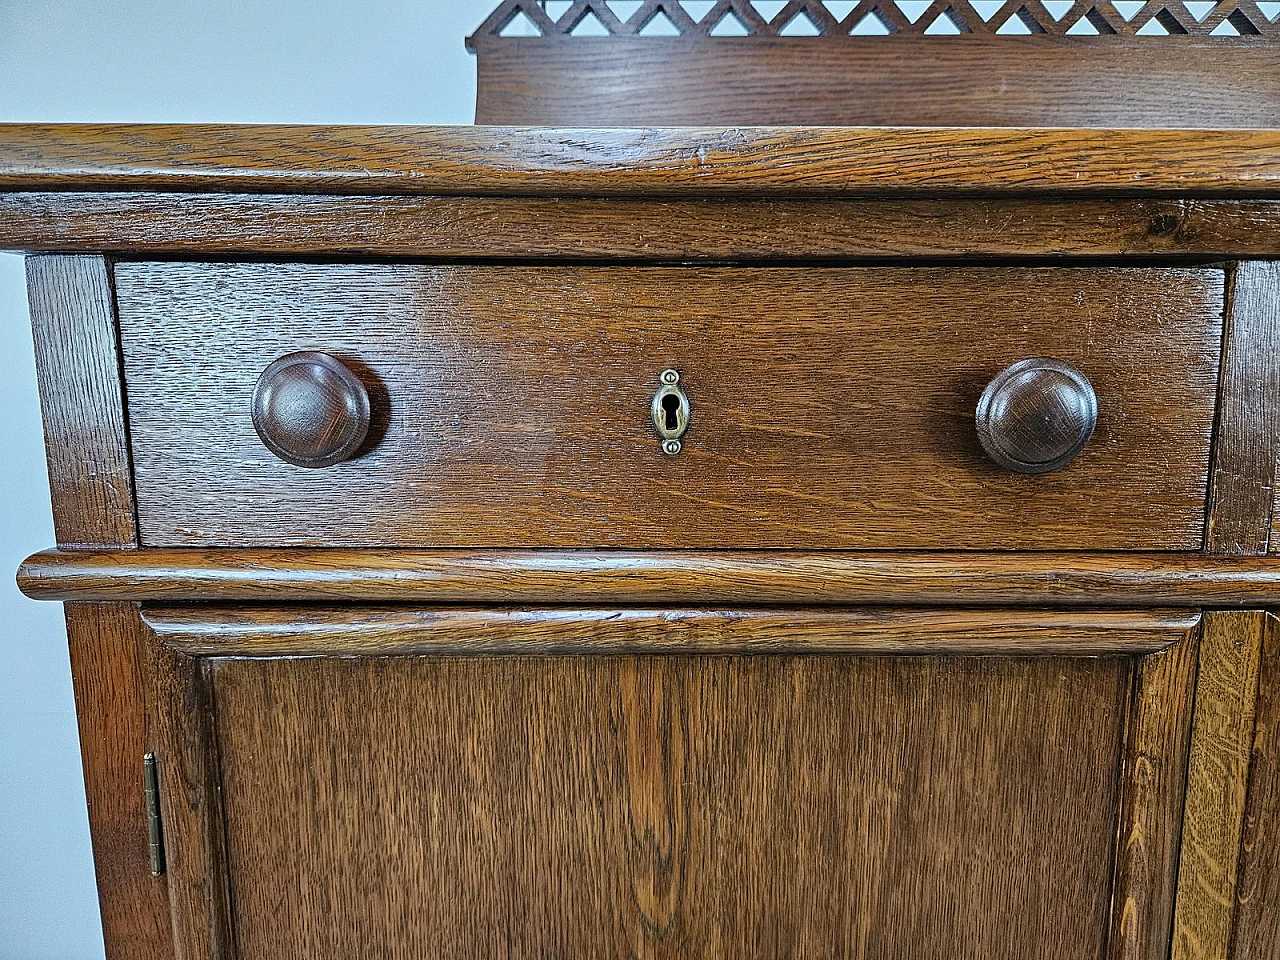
(291, 61)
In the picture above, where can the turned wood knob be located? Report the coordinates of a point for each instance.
(1036, 415)
(311, 410)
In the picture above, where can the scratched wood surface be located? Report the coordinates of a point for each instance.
(671, 807)
(830, 408)
(674, 160)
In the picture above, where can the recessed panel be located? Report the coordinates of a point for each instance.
(671, 806)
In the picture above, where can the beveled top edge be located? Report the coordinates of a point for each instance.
(535, 161)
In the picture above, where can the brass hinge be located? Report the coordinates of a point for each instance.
(155, 837)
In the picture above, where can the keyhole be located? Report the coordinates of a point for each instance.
(670, 409)
(670, 412)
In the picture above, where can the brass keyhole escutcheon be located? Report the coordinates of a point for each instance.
(670, 412)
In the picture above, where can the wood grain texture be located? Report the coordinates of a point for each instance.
(78, 364)
(1257, 920)
(997, 81)
(105, 641)
(671, 806)
(656, 228)
(1242, 484)
(1153, 781)
(1217, 777)
(364, 631)
(653, 578)
(191, 805)
(830, 408)
(677, 160)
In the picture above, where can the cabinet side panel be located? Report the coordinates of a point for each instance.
(81, 399)
(78, 364)
(104, 640)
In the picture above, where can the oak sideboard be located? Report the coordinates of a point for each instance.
(746, 542)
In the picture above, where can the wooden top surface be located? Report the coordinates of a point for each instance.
(661, 161)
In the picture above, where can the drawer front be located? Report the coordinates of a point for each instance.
(512, 405)
(435, 801)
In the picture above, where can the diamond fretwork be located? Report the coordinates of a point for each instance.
(1168, 18)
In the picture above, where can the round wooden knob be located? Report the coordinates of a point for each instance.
(1036, 415)
(311, 410)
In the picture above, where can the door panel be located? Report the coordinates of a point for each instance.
(529, 783)
(671, 806)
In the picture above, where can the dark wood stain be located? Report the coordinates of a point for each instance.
(671, 807)
(311, 409)
(830, 408)
(1036, 415)
(1053, 743)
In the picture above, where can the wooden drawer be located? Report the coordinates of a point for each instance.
(385, 790)
(511, 405)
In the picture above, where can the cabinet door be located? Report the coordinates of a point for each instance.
(400, 784)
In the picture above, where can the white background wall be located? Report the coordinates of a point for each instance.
(188, 61)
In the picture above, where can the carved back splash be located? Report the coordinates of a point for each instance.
(1163, 63)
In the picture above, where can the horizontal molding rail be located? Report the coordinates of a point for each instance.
(551, 161)
(595, 228)
(401, 631)
(653, 578)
